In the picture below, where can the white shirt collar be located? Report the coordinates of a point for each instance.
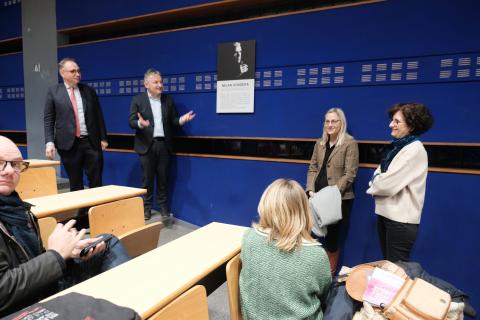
(154, 98)
(68, 86)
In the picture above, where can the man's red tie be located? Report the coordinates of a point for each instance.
(75, 110)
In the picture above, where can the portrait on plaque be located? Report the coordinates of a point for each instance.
(236, 60)
(236, 77)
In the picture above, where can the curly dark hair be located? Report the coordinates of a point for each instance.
(417, 116)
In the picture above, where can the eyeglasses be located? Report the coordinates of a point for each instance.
(396, 121)
(17, 166)
(327, 122)
(73, 71)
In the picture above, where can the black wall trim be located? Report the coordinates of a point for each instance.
(451, 156)
(19, 137)
(444, 156)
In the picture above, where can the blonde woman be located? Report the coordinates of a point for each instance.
(334, 162)
(285, 273)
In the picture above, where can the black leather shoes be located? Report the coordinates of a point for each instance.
(147, 215)
(164, 213)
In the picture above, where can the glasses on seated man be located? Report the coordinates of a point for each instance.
(18, 166)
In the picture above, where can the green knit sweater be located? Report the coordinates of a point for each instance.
(282, 285)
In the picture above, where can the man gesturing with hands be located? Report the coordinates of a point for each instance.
(153, 116)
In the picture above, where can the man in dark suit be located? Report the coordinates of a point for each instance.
(75, 126)
(153, 116)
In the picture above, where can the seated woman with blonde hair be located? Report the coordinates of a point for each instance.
(285, 273)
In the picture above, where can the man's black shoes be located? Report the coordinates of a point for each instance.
(147, 215)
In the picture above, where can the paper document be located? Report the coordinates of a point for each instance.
(382, 287)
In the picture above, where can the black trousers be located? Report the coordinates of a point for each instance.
(336, 233)
(396, 238)
(82, 157)
(155, 167)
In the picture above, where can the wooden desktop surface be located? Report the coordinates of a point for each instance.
(57, 203)
(150, 281)
(37, 163)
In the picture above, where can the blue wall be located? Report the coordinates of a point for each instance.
(12, 106)
(436, 42)
(77, 13)
(10, 20)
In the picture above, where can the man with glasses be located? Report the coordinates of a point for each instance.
(74, 125)
(28, 273)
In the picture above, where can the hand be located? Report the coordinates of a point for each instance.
(65, 238)
(85, 242)
(243, 68)
(187, 117)
(144, 123)
(310, 194)
(104, 145)
(50, 151)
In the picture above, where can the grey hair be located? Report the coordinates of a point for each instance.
(62, 62)
(150, 72)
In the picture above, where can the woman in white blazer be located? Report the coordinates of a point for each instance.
(398, 184)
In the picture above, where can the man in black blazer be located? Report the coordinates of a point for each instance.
(153, 116)
(74, 125)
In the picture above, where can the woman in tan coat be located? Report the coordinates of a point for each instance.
(334, 162)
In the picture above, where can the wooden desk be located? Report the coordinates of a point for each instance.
(149, 282)
(64, 202)
(38, 163)
(39, 180)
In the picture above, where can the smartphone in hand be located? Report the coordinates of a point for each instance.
(85, 250)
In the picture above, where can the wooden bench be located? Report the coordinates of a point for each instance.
(151, 281)
(58, 204)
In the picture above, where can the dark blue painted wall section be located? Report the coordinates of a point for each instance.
(78, 13)
(10, 19)
(12, 106)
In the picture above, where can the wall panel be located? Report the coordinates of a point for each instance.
(10, 19)
(72, 14)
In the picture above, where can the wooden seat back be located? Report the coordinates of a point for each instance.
(117, 217)
(141, 240)
(37, 182)
(233, 273)
(192, 304)
(46, 225)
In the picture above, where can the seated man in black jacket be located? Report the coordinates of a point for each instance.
(28, 273)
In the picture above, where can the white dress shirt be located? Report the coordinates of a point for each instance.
(156, 105)
(81, 114)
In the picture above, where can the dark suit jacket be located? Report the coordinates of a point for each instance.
(59, 118)
(144, 137)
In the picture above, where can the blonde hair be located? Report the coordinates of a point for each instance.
(343, 129)
(284, 210)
